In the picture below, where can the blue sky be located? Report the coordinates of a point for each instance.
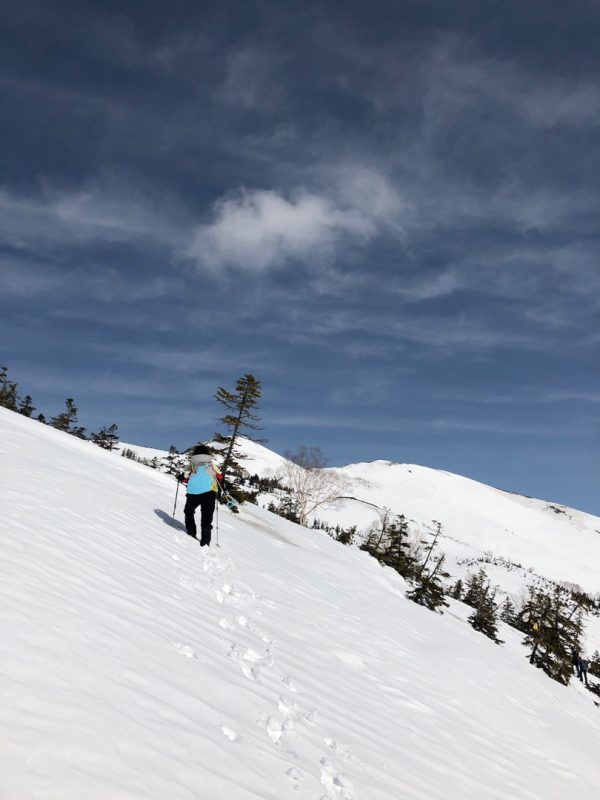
(388, 213)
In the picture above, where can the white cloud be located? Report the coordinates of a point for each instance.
(257, 229)
(108, 211)
(458, 77)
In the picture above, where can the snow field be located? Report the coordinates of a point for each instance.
(280, 665)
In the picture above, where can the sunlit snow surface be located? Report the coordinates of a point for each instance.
(280, 665)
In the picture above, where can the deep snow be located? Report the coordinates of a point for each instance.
(280, 665)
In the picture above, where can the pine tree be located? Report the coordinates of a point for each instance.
(26, 406)
(594, 665)
(457, 590)
(239, 418)
(286, 508)
(553, 625)
(346, 535)
(388, 542)
(174, 462)
(8, 391)
(484, 619)
(67, 420)
(428, 590)
(107, 438)
(475, 588)
(508, 611)
(41, 418)
(170, 461)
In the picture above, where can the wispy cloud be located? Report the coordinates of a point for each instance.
(458, 76)
(502, 428)
(110, 210)
(526, 396)
(250, 81)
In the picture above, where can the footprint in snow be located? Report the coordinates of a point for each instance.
(246, 623)
(287, 708)
(290, 684)
(185, 650)
(239, 596)
(341, 750)
(229, 733)
(337, 785)
(294, 777)
(213, 563)
(279, 731)
(249, 661)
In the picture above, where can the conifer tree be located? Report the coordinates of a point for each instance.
(239, 418)
(26, 406)
(388, 542)
(508, 611)
(346, 535)
(483, 619)
(553, 625)
(8, 391)
(107, 438)
(170, 461)
(594, 665)
(475, 588)
(67, 420)
(457, 590)
(41, 418)
(428, 590)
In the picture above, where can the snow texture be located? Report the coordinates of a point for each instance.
(281, 665)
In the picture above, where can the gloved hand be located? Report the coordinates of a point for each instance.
(180, 477)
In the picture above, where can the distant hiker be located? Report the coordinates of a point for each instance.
(583, 668)
(203, 483)
(575, 660)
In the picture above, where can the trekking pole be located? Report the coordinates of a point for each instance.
(176, 493)
(218, 545)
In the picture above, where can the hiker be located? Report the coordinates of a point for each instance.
(203, 483)
(575, 659)
(583, 668)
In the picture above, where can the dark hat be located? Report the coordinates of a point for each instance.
(201, 450)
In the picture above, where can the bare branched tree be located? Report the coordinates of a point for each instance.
(309, 481)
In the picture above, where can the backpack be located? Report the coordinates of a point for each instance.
(202, 480)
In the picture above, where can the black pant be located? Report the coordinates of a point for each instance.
(206, 501)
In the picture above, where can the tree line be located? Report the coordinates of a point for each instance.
(66, 420)
(239, 418)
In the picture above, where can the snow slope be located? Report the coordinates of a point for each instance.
(558, 542)
(280, 665)
(518, 540)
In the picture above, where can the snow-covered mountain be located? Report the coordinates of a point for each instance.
(519, 541)
(278, 665)
(555, 541)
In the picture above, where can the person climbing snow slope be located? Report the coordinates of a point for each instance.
(203, 484)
